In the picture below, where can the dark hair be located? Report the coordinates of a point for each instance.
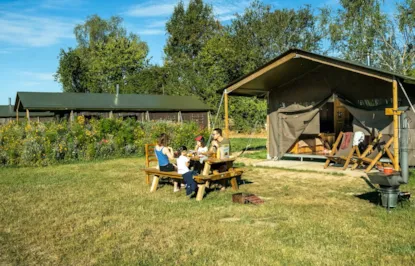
(182, 148)
(218, 130)
(162, 140)
(202, 141)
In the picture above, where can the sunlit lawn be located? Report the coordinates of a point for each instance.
(103, 213)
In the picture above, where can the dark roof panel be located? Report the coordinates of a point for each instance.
(7, 112)
(107, 102)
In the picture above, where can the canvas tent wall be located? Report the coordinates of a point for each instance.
(298, 82)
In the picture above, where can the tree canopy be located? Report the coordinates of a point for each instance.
(202, 55)
(105, 56)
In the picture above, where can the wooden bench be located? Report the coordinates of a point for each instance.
(204, 180)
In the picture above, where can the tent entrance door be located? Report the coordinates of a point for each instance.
(342, 116)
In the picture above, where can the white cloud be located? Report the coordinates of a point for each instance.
(38, 76)
(151, 10)
(60, 4)
(35, 31)
(151, 32)
(223, 10)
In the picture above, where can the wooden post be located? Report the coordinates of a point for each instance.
(395, 124)
(179, 117)
(17, 111)
(226, 115)
(111, 115)
(200, 192)
(71, 117)
(28, 115)
(267, 132)
(155, 184)
(208, 120)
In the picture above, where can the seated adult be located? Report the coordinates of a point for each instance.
(217, 142)
(163, 154)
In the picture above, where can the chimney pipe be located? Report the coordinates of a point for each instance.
(10, 104)
(117, 90)
(404, 149)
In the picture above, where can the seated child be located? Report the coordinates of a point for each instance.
(201, 151)
(183, 168)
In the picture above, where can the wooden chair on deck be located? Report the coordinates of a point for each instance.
(371, 156)
(344, 153)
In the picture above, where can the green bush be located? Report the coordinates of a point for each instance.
(40, 144)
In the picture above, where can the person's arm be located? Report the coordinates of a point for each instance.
(213, 148)
(169, 152)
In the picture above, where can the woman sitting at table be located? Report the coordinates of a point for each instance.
(163, 155)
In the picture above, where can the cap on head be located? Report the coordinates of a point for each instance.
(199, 138)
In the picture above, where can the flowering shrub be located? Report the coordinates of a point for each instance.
(39, 144)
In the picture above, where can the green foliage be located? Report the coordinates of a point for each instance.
(39, 144)
(359, 29)
(188, 30)
(105, 56)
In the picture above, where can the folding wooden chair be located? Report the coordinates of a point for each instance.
(371, 156)
(345, 152)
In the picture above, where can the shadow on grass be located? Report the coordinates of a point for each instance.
(216, 185)
(372, 197)
(256, 148)
(367, 181)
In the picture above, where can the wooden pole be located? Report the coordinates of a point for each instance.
(267, 132)
(226, 115)
(71, 117)
(17, 111)
(208, 120)
(28, 115)
(395, 124)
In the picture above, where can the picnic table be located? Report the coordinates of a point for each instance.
(204, 179)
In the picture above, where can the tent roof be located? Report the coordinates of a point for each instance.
(295, 64)
(7, 112)
(107, 102)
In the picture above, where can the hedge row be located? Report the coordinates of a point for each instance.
(41, 144)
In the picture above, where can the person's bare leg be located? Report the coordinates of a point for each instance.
(176, 186)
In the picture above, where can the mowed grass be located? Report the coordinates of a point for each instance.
(102, 213)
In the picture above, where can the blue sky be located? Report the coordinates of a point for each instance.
(32, 33)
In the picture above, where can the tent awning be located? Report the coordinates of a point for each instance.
(296, 68)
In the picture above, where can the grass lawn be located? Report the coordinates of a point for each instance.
(103, 213)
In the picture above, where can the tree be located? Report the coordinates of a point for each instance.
(105, 56)
(253, 38)
(355, 29)
(360, 31)
(189, 30)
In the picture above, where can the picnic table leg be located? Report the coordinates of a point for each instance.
(148, 179)
(234, 183)
(206, 169)
(155, 184)
(201, 192)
